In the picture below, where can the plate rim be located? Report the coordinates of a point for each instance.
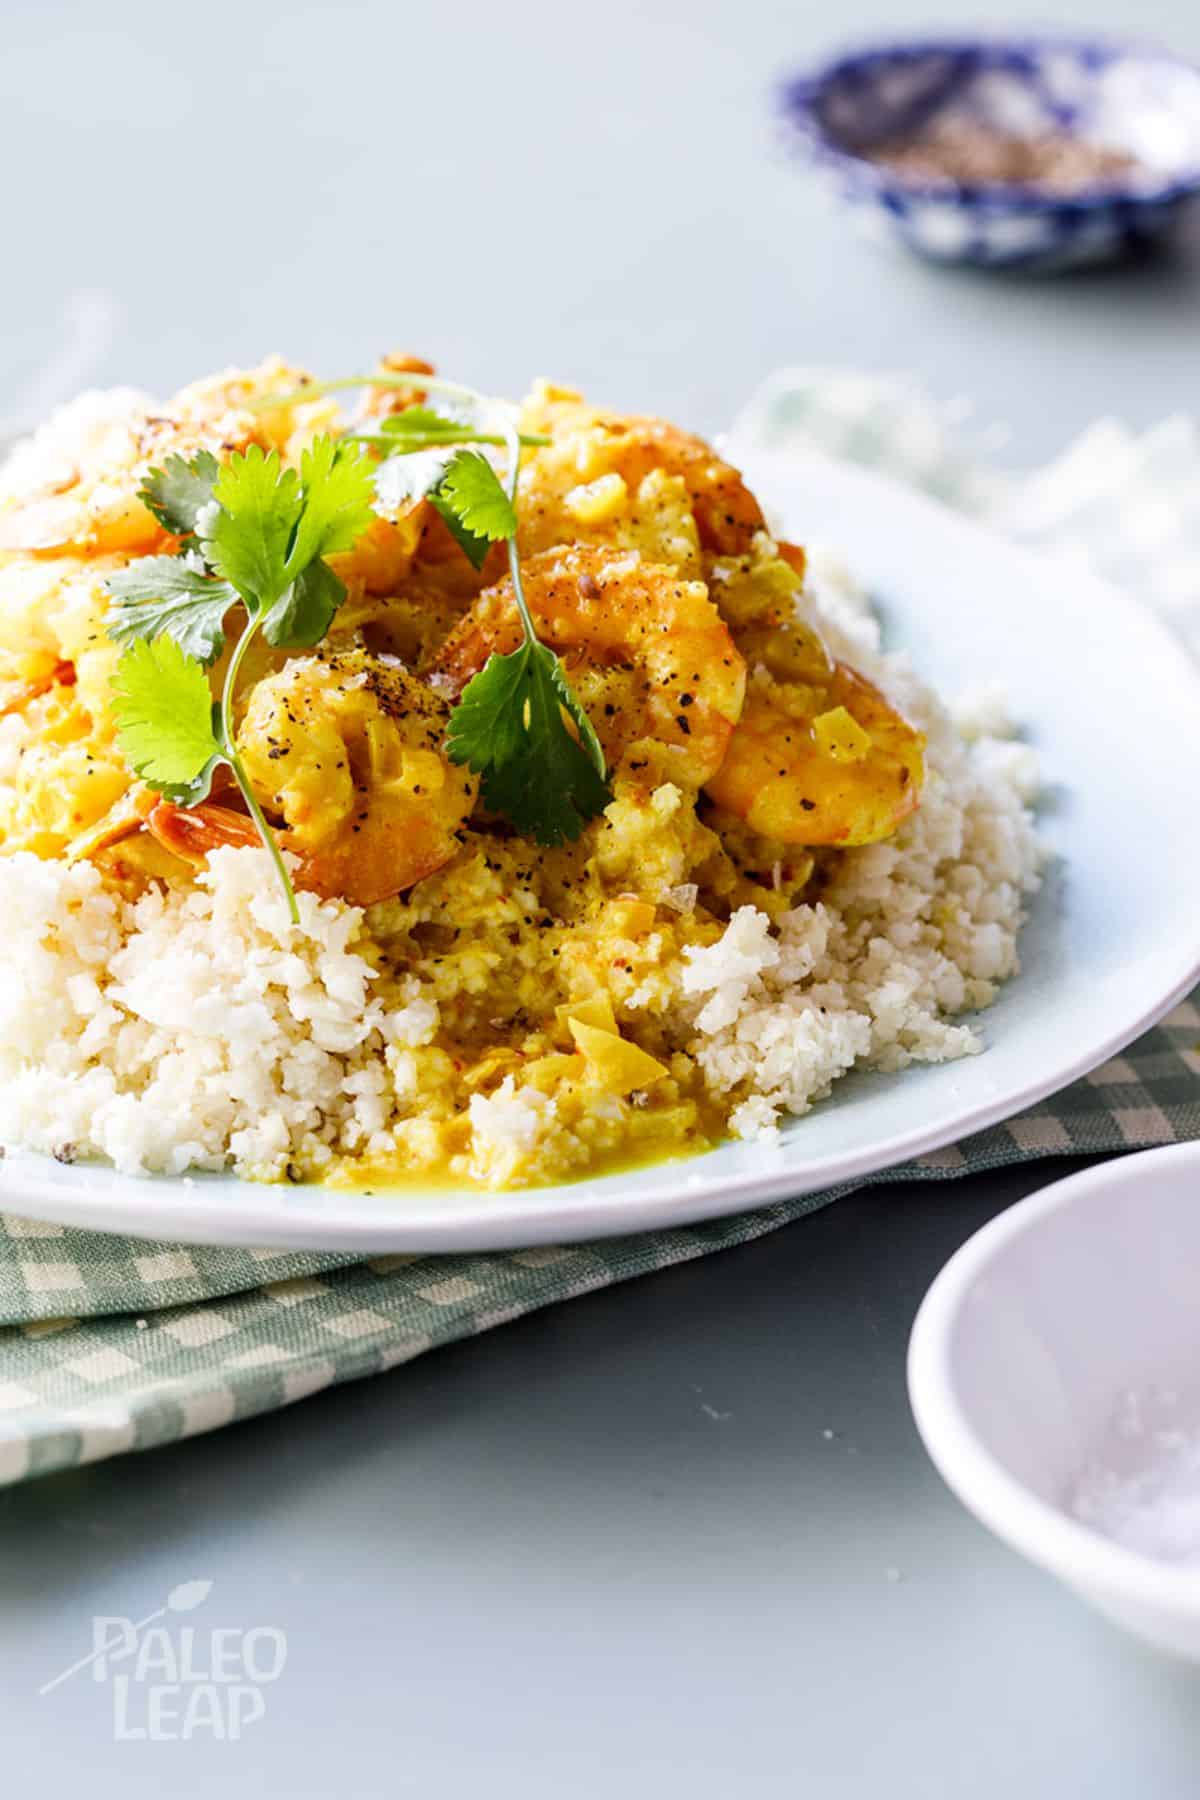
(521, 1217)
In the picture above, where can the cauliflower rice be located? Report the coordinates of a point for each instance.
(198, 1029)
(462, 999)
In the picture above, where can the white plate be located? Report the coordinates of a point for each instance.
(1114, 710)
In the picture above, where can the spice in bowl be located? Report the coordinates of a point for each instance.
(962, 152)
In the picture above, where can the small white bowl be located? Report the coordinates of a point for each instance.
(1028, 1361)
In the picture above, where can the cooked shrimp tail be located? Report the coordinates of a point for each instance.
(647, 654)
(349, 751)
(828, 764)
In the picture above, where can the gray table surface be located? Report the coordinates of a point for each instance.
(614, 1546)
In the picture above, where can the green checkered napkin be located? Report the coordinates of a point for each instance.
(110, 1344)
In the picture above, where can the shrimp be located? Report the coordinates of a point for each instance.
(647, 654)
(347, 750)
(726, 512)
(75, 486)
(820, 761)
(604, 457)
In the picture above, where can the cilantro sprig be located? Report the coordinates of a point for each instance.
(508, 727)
(252, 533)
(420, 428)
(169, 596)
(517, 723)
(178, 492)
(255, 535)
(168, 725)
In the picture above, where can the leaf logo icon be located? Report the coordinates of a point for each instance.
(188, 1595)
(184, 1598)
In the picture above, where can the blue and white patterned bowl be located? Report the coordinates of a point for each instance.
(1127, 97)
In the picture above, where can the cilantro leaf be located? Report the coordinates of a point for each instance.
(473, 505)
(263, 531)
(473, 547)
(260, 505)
(273, 525)
(509, 727)
(160, 596)
(414, 476)
(460, 484)
(338, 485)
(305, 611)
(471, 489)
(424, 425)
(420, 428)
(588, 741)
(176, 492)
(166, 721)
(418, 475)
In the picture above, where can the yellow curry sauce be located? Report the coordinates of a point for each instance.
(742, 757)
